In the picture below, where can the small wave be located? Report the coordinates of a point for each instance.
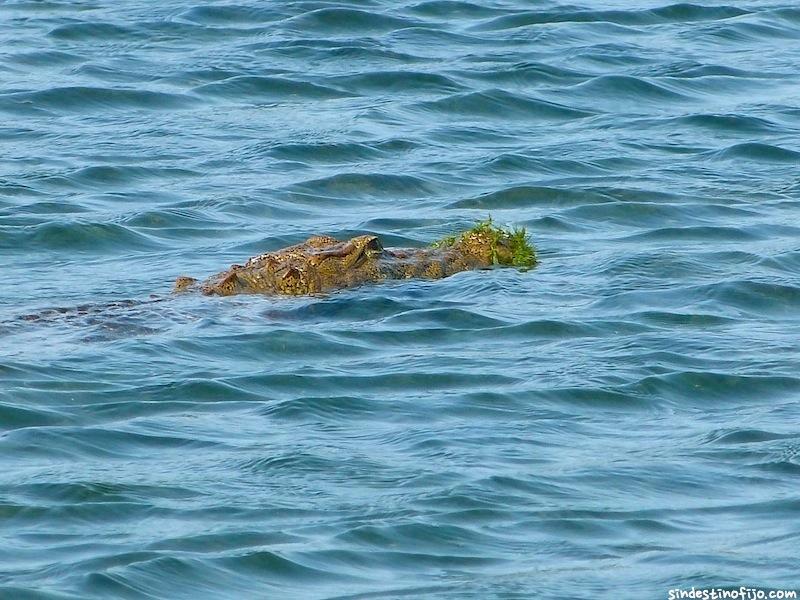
(194, 394)
(49, 208)
(596, 398)
(613, 88)
(758, 152)
(792, 15)
(46, 58)
(18, 133)
(746, 436)
(689, 320)
(87, 99)
(784, 262)
(713, 386)
(712, 87)
(758, 298)
(527, 73)
(273, 568)
(453, 319)
(382, 382)
(697, 233)
(229, 15)
(16, 417)
(9, 189)
(320, 48)
(195, 77)
(293, 463)
(287, 343)
(528, 18)
(154, 575)
(360, 185)
(694, 70)
(115, 75)
(502, 105)
(746, 33)
(26, 593)
(103, 175)
(767, 30)
(370, 56)
(160, 32)
(95, 32)
(171, 219)
(338, 309)
(332, 409)
(76, 492)
(561, 330)
(525, 164)
(781, 466)
(348, 20)
(674, 13)
(631, 214)
(527, 196)
(737, 123)
(93, 442)
(450, 9)
(419, 38)
(655, 265)
(558, 225)
(224, 541)
(260, 205)
(268, 89)
(78, 237)
(412, 82)
(418, 538)
(686, 12)
(334, 153)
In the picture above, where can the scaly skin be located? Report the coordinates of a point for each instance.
(322, 264)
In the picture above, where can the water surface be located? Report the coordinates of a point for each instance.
(618, 422)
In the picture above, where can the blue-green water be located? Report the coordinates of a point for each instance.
(621, 421)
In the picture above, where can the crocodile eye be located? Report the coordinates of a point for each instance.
(374, 245)
(292, 273)
(371, 248)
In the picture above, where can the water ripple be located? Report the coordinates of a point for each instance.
(673, 13)
(85, 99)
(497, 104)
(337, 21)
(268, 88)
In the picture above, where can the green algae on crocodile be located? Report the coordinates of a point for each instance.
(323, 264)
(506, 247)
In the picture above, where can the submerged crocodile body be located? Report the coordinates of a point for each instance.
(323, 263)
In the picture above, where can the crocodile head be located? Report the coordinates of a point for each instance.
(319, 264)
(323, 263)
(347, 263)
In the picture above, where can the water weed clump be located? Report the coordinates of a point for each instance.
(509, 247)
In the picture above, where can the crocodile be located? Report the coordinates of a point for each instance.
(318, 265)
(324, 264)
